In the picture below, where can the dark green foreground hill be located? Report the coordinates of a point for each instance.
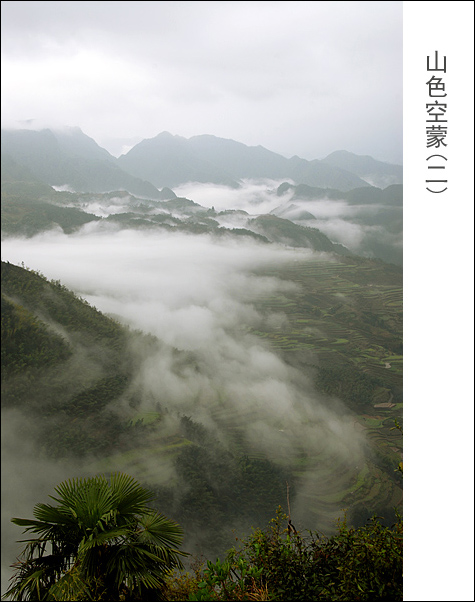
(71, 373)
(109, 544)
(62, 362)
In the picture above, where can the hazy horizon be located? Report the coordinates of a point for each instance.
(299, 78)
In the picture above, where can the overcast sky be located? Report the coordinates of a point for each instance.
(299, 78)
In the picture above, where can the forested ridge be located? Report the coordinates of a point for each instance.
(108, 543)
(72, 369)
(62, 361)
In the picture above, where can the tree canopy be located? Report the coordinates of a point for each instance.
(100, 541)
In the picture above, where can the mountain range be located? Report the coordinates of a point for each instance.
(70, 158)
(298, 353)
(374, 172)
(168, 160)
(64, 179)
(77, 378)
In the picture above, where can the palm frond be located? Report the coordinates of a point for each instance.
(29, 587)
(99, 539)
(137, 564)
(130, 496)
(103, 538)
(156, 529)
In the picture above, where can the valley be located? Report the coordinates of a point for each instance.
(224, 351)
(326, 426)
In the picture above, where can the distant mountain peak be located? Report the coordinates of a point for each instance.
(166, 134)
(376, 173)
(67, 156)
(168, 160)
(344, 155)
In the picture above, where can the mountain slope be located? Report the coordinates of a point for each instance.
(369, 222)
(70, 158)
(376, 173)
(27, 217)
(168, 160)
(344, 313)
(284, 231)
(18, 180)
(63, 362)
(370, 195)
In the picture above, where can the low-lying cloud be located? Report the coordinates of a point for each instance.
(197, 294)
(256, 196)
(370, 230)
(192, 292)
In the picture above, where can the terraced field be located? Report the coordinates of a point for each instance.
(343, 317)
(347, 317)
(343, 311)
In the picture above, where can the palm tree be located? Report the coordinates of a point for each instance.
(100, 542)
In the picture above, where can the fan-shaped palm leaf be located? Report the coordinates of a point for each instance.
(103, 538)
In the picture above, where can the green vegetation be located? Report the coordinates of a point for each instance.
(26, 217)
(63, 362)
(279, 563)
(71, 368)
(344, 320)
(101, 541)
(70, 384)
(349, 383)
(26, 342)
(224, 489)
(343, 329)
(105, 542)
(60, 305)
(284, 231)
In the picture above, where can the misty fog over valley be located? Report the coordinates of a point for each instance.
(222, 341)
(208, 211)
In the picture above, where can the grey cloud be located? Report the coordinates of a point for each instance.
(197, 295)
(328, 75)
(194, 294)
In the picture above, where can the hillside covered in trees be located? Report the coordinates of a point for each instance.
(72, 373)
(108, 544)
(234, 359)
